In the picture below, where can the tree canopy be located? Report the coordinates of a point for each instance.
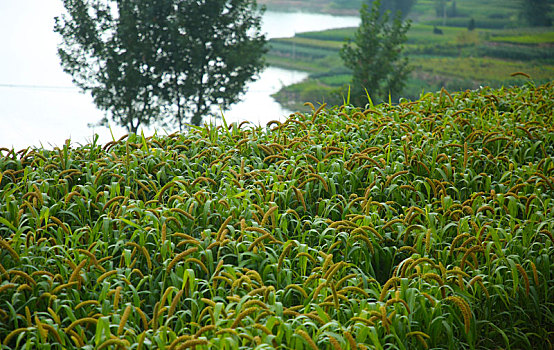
(375, 55)
(537, 12)
(161, 61)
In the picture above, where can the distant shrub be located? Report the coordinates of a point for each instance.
(471, 25)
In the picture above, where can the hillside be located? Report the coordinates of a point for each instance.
(456, 58)
(409, 226)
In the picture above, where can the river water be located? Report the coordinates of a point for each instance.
(39, 106)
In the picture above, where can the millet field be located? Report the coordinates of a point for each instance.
(425, 224)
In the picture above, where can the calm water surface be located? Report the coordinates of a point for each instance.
(40, 106)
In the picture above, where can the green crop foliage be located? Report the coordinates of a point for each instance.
(484, 69)
(425, 224)
(309, 42)
(538, 38)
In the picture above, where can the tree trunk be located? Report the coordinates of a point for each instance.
(197, 117)
(132, 128)
(179, 115)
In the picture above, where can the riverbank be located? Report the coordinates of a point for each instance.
(311, 6)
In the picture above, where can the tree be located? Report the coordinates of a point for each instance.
(105, 56)
(537, 12)
(393, 6)
(223, 47)
(375, 56)
(471, 25)
(453, 10)
(161, 61)
(440, 9)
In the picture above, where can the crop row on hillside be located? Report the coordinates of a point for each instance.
(539, 37)
(422, 224)
(487, 14)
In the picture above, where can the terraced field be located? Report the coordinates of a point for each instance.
(442, 51)
(458, 59)
(426, 224)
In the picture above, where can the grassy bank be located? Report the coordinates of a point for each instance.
(423, 224)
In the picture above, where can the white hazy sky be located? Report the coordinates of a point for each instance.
(57, 110)
(31, 116)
